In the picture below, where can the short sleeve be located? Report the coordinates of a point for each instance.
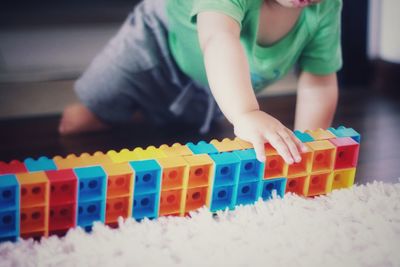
(323, 53)
(233, 8)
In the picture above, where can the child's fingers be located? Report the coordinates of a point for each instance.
(259, 148)
(300, 145)
(290, 144)
(278, 143)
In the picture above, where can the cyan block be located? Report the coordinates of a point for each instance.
(226, 171)
(92, 183)
(147, 176)
(41, 164)
(202, 148)
(90, 212)
(248, 192)
(303, 137)
(342, 131)
(223, 197)
(268, 186)
(146, 206)
(9, 192)
(250, 168)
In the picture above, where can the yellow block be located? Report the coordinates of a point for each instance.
(226, 145)
(176, 150)
(324, 153)
(150, 152)
(343, 178)
(124, 155)
(243, 144)
(321, 134)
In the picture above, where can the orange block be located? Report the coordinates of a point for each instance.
(196, 198)
(226, 145)
(275, 165)
(34, 189)
(83, 160)
(301, 168)
(200, 170)
(176, 150)
(120, 180)
(118, 207)
(324, 153)
(34, 221)
(171, 202)
(175, 172)
(298, 185)
(320, 184)
(321, 134)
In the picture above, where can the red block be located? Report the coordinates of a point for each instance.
(63, 186)
(346, 152)
(13, 167)
(62, 217)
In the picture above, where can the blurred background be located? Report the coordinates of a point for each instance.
(45, 45)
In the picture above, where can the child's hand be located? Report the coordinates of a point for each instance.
(258, 128)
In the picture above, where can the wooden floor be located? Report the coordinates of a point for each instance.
(376, 117)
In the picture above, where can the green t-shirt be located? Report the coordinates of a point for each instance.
(314, 41)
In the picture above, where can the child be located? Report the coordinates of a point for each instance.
(168, 53)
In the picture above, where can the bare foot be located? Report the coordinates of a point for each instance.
(77, 119)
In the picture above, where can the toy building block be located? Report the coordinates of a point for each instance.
(9, 208)
(124, 155)
(324, 153)
(298, 184)
(320, 183)
(269, 186)
(303, 137)
(12, 167)
(41, 164)
(62, 218)
(250, 177)
(34, 204)
(243, 144)
(146, 196)
(92, 188)
(84, 160)
(199, 183)
(202, 148)
(226, 145)
(150, 152)
(346, 152)
(120, 183)
(343, 178)
(226, 179)
(320, 134)
(301, 168)
(176, 150)
(346, 132)
(275, 166)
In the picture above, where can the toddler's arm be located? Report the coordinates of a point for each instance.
(229, 79)
(316, 101)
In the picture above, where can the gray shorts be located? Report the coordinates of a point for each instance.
(135, 71)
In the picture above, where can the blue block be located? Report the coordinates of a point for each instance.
(342, 131)
(248, 193)
(92, 183)
(90, 212)
(202, 148)
(9, 225)
(250, 168)
(146, 206)
(278, 184)
(9, 192)
(223, 197)
(226, 171)
(303, 137)
(41, 164)
(147, 176)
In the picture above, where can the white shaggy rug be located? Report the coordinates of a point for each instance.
(353, 227)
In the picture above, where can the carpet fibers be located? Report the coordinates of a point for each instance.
(359, 226)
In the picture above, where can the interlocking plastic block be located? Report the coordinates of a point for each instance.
(147, 176)
(196, 198)
(176, 150)
(90, 212)
(343, 178)
(226, 145)
(243, 144)
(12, 167)
(320, 183)
(303, 137)
(120, 180)
(346, 152)
(150, 152)
(9, 225)
(202, 148)
(9, 192)
(323, 155)
(223, 197)
(269, 186)
(346, 132)
(34, 189)
(34, 221)
(63, 186)
(298, 185)
(92, 183)
(85, 159)
(226, 170)
(124, 155)
(62, 217)
(275, 165)
(118, 207)
(250, 168)
(248, 192)
(175, 172)
(200, 170)
(303, 167)
(41, 164)
(320, 134)
(171, 202)
(146, 206)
